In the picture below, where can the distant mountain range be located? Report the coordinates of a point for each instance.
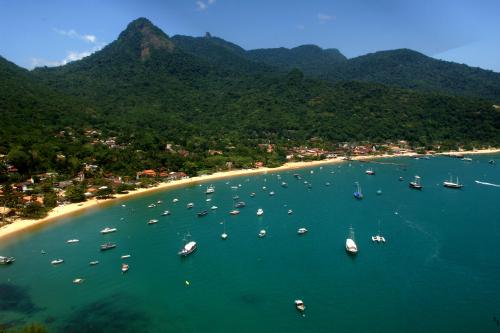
(147, 90)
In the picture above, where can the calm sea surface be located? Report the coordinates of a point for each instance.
(439, 270)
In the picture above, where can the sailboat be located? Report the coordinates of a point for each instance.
(416, 183)
(350, 244)
(451, 184)
(224, 234)
(378, 238)
(358, 194)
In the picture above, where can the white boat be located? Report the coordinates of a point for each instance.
(125, 256)
(210, 189)
(467, 159)
(301, 231)
(70, 241)
(108, 230)
(125, 268)
(350, 244)
(252, 194)
(224, 234)
(190, 205)
(153, 221)
(57, 261)
(151, 205)
(271, 193)
(159, 202)
(452, 184)
(370, 172)
(234, 212)
(78, 281)
(378, 239)
(416, 183)
(262, 233)
(188, 249)
(300, 305)
(290, 212)
(6, 260)
(93, 263)
(214, 207)
(175, 200)
(165, 213)
(260, 212)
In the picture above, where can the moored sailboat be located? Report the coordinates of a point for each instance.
(415, 184)
(452, 184)
(350, 243)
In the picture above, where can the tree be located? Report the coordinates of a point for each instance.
(75, 193)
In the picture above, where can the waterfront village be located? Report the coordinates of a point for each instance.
(35, 196)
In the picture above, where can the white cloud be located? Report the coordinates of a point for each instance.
(324, 18)
(70, 56)
(203, 5)
(73, 34)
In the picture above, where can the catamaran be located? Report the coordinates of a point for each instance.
(416, 183)
(451, 184)
(350, 244)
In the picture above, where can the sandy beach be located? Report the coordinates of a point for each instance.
(22, 225)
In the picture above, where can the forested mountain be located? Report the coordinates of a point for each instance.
(310, 59)
(148, 91)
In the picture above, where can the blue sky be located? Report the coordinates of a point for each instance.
(53, 32)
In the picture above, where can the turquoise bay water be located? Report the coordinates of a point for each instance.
(438, 272)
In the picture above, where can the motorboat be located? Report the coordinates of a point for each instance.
(78, 281)
(252, 194)
(214, 207)
(153, 221)
(262, 233)
(165, 213)
(415, 184)
(284, 184)
(234, 212)
(290, 212)
(175, 200)
(107, 246)
(71, 241)
(188, 249)
(125, 256)
(152, 205)
(190, 205)
(93, 263)
(210, 189)
(223, 235)
(159, 202)
(350, 244)
(299, 304)
(301, 231)
(108, 230)
(370, 172)
(260, 212)
(467, 159)
(378, 239)
(125, 268)
(57, 261)
(236, 197)
(379, 192)
(240, 204)
(6, 260)
(452, 184)
(202, 213)
(271, 193)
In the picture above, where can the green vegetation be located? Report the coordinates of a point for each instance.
(147, 101)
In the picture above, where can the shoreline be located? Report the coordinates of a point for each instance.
(24, 225)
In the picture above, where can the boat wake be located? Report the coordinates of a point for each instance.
(488, 184)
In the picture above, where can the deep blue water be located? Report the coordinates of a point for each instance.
(439, 270)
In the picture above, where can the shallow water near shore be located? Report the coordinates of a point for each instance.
(438, 270)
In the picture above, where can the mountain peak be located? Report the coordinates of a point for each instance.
(145, 36)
